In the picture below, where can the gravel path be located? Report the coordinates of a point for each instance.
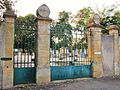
(81, 84)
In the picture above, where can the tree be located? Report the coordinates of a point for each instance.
(82, 17)
(114, 20)
(61, 30)
(108, 10)
(25, 33)
(109, 16)
(80, 21)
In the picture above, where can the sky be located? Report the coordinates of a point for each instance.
(25, 7)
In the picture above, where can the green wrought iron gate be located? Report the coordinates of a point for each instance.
(69, 55)
(24, 55)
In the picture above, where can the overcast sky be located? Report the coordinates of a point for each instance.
(25, 7)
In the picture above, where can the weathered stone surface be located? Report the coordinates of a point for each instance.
(43, 11)
(1, 42)
(43, 53)
(95, 45)
(43, 75)
(113, 30)
(7, 78)
(119, 55)
(8, 42)
(43, 46)
(43, 61)
(44, 41)
(108, 55)
(43, 27)
(97, 71)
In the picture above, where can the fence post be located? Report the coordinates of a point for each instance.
(7, 47)
(43, 45)
(113, 30)
(94, 45)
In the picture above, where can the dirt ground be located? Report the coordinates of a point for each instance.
(76, 84)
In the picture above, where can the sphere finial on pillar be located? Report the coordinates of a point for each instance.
(94, 21)
(43, 11)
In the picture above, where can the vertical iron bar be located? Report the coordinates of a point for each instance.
(55, 52)
(30, 51)
(17, 46)
(34, 44)
(51, 55)
(27, 58)
(24, 52)
(58, 48)
(21, 53)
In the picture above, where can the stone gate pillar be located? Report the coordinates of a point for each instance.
(43, 45)
(113, 30)
(7, 47)
(94, 45)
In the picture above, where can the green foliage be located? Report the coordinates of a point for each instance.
(64, 17)
(25, 33)
(108, 11)
(82, 44)
(26, 22)
(80, 21)
(110, 20)
(61, 30)
(109, 16)
(63, 35)
(82, 17)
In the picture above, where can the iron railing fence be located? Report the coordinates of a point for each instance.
(69, 48)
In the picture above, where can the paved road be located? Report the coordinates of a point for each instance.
(84, 84)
